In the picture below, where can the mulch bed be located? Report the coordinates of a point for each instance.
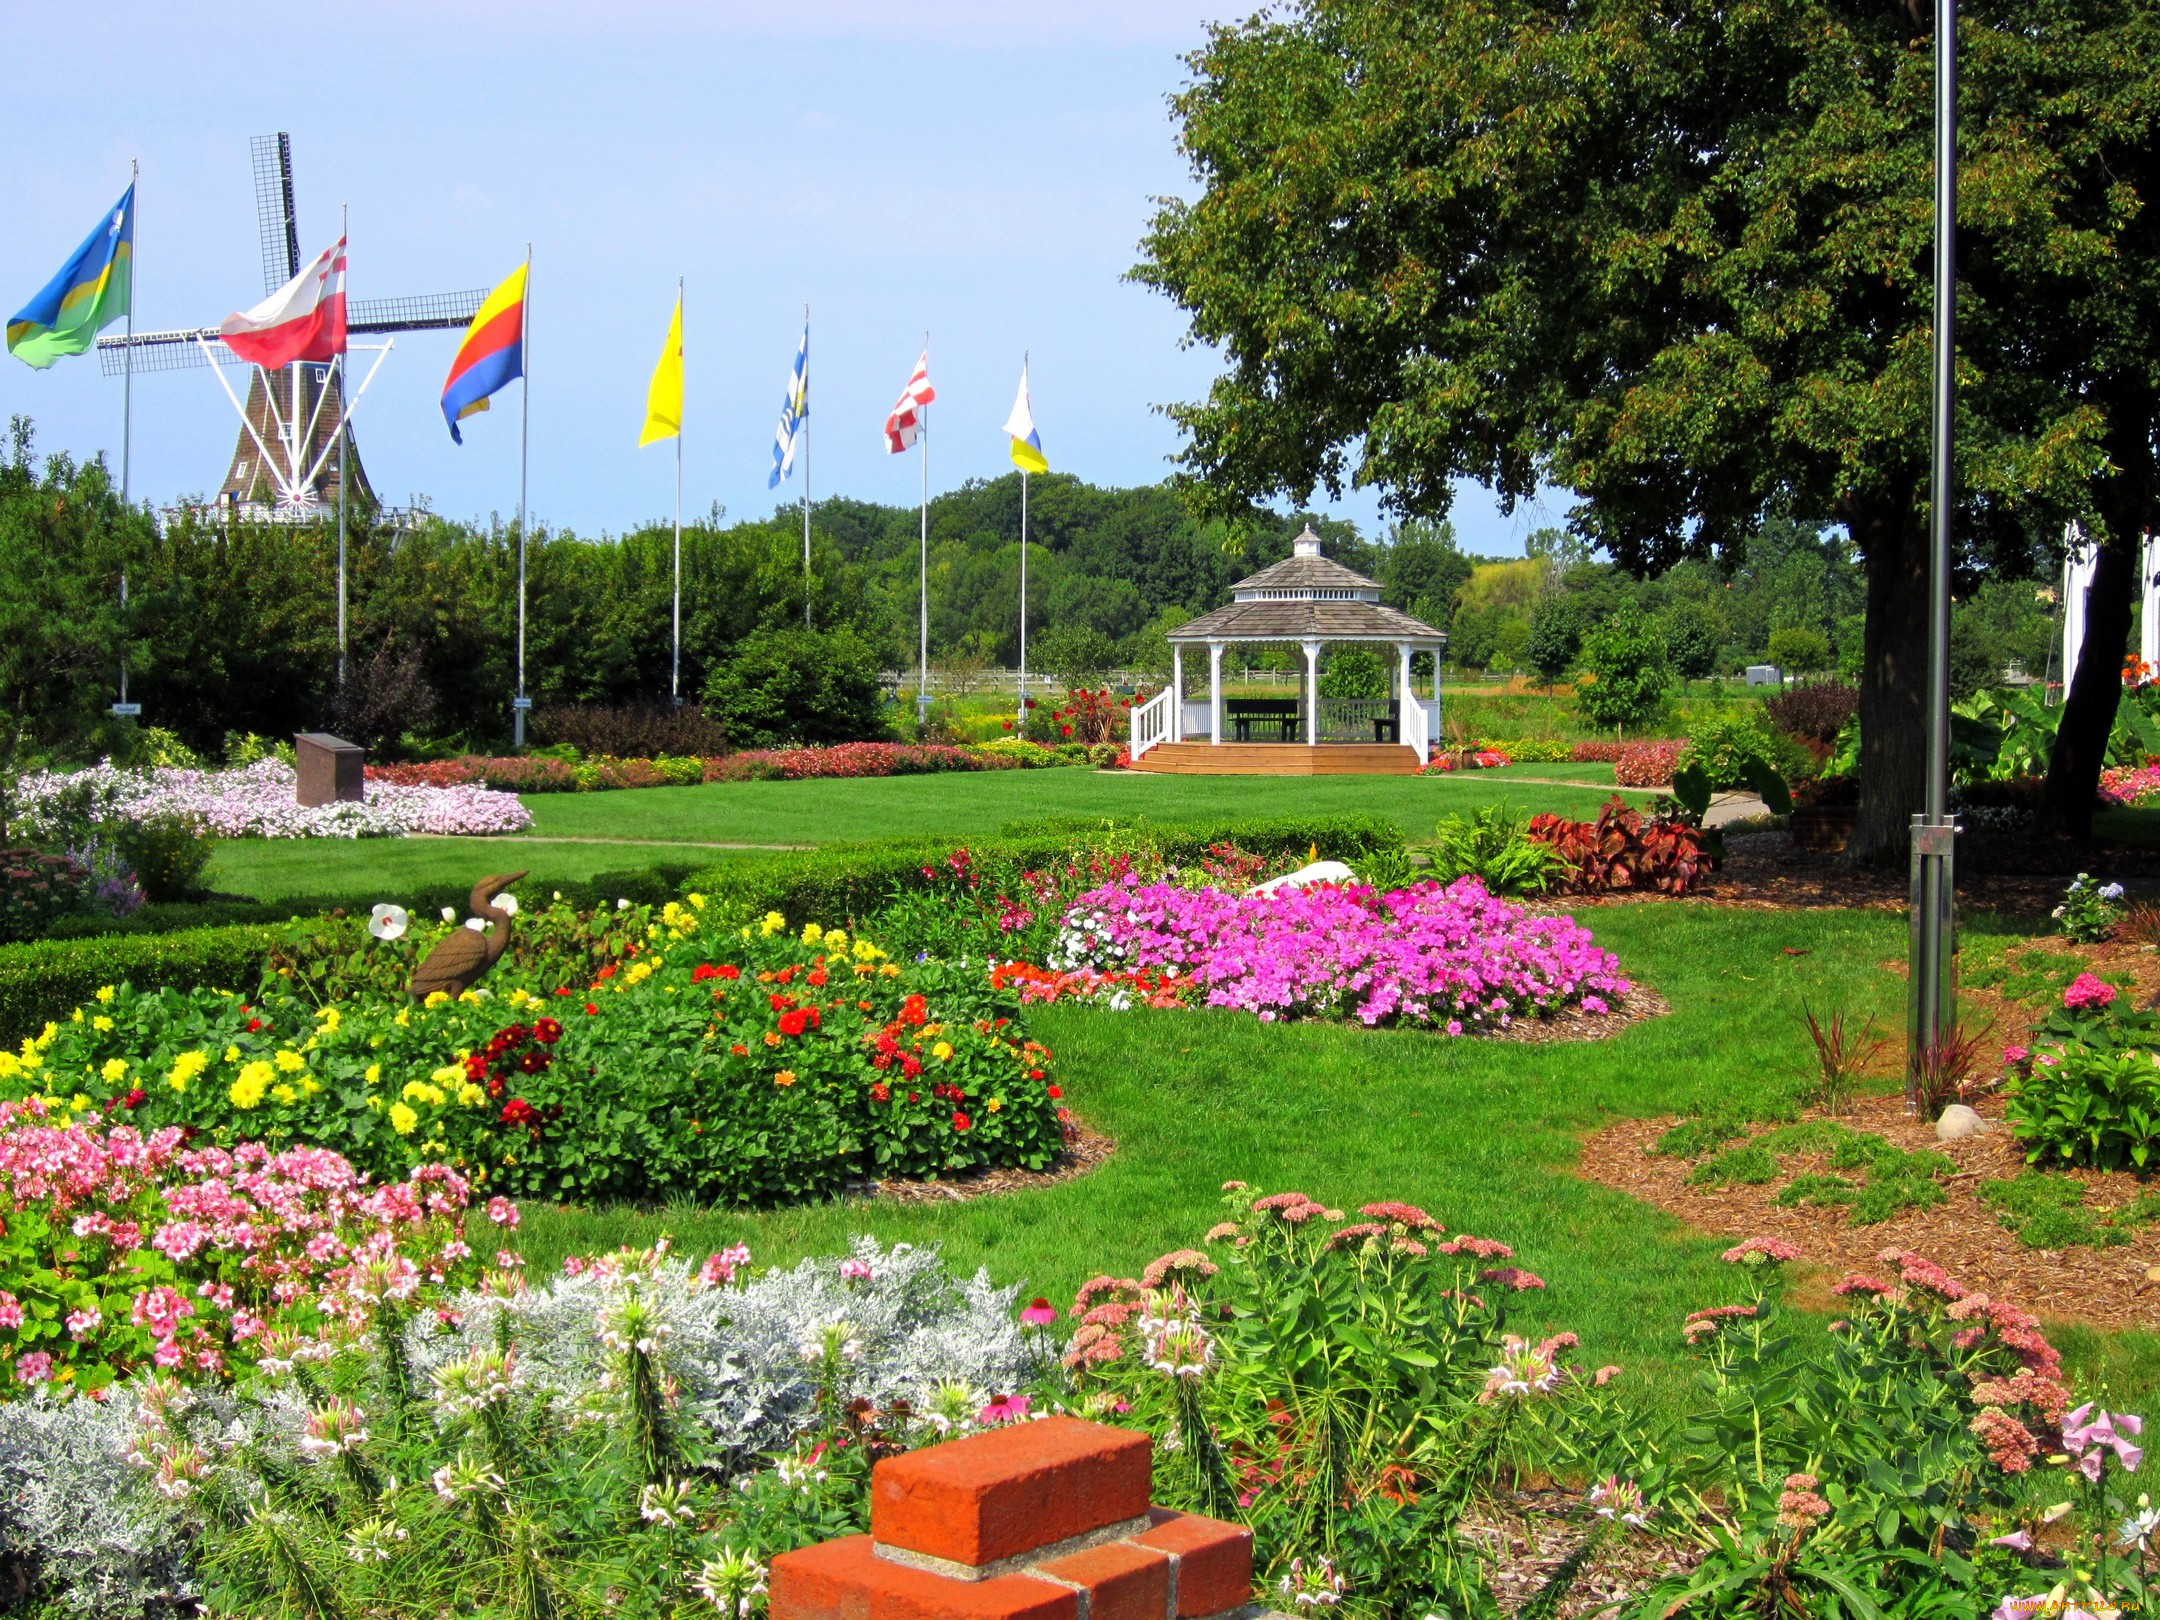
(2105, 1288)
(1573, 1024)
(1531, 1533)
(1083, 1153)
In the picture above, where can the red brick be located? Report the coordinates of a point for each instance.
(844, 1580)
(1214, 1570)
(1011, 1490)
(1124, 1582)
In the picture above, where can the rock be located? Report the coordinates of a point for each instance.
(1305, 876)
(1957, 1123)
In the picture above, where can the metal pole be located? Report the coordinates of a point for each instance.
(675, 669)
(127, 407)
(1934, 834)
(517, 711)
(922, 437)
(802, 429)
(344, 406)
(1023, 589)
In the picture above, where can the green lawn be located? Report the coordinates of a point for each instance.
(1481, 1133)
(576, 835)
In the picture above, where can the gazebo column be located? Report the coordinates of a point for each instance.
(1312, 694)
(1177, 692)
(1214, 664)
(1402, 685)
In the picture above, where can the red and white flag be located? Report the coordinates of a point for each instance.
(906, 419)
(302, 320)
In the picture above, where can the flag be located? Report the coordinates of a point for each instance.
(794, 411)
(663, 396)
(492, 355)
(302, 320)
(1027, 451)
(90, 293)
(906, 419)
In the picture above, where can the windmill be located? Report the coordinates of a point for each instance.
(292, 460)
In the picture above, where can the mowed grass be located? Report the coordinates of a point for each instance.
(577, 835)
(1484, 1134)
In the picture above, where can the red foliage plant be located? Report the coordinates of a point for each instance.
(1647, 764)
(1620, 850)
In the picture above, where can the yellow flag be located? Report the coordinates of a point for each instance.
(663, 399)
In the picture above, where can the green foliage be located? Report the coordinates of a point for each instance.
(2089, 1107)
(48, 979)
(1555, 640)
(2089, 909)
(1493, 844)
(1693, 638)
(1744, 750)
(1822, 1191)
(1077, 655)
(1353, 671)
(1749, 1165)
(1885, 1196)
(2049, 1212)
(1624, 670)
(795, 686)
(39, 890)
(168, 854)
(1693, 1137)
(1800, 652)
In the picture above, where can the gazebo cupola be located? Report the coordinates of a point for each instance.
(1312, 601)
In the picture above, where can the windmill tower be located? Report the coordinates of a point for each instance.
(288, 462)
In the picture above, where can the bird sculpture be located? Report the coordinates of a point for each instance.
(459, 962)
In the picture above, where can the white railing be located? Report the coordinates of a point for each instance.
(1415, 730)
(1151, 722)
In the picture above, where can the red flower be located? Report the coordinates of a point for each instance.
(547, 1031)
(910, 1065)
(562, 990)
(517, 1111)
(607, 972)
(591, 1008)
(135, 1098)
(914, 1096)
(253, 1024)
(797, 1020)
(724, 971)
(532, 1062)
(816, 976)
(780, 1002)
(702, 972)
(1055, 1091)
(961, 1122)
(915, 1011)
(740, 1051)
(881, 1092)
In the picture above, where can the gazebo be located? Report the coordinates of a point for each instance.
(1313, 602)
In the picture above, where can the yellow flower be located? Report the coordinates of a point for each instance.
(639, 972)
(812, 933)
(232, 1054)
(253, 1084)
(836, 940)
(448, 1075)
(101, 1022)
(80, 1103)
(942, 1051)
(45, 1036)
(105, 994)
(284, 1094)
(994, 1104)
(470, 1095)
(374, 1074)
(773, 923)
(77, 1015)
(889, 971)
(471, 998)
(697, 901)
(403, 1120)
(185, 1068)
(115, 1069)
(10, 1066)
(421, 1092)
(435, 998)
(291, 1062)
(330, 1020)
(404, 1017)
(786, 1077)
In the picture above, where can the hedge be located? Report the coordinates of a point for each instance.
(49, 978)
(842, 883)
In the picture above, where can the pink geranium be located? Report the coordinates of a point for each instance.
(2088, 991)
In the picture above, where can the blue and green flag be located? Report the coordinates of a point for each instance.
(89, 294)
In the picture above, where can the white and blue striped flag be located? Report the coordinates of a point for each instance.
(794, 412)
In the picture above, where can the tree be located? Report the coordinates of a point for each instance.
(1679, 262)
(1801, 652)
(1624, 670)
(1077, 655)
(797, 686)
(1693, 639)
(1556, 630)
(1353, 672)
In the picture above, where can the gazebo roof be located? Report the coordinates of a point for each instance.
(1306, 597)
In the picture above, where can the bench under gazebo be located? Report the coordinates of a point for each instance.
(1309, 602)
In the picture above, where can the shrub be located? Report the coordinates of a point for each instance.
(168, 854)
(46, 980)
(1353, 672)
(36, 889)
(2085, 1106)
(1802, 651)
(1493, 845)
(633, 731)
(2089, 910)
(1600, 753)
(1647, 764)
(756, 1067)
(1529, 750)
(1815, 712)
(123, 1251)
(797, 686)
(1622, 851)
(1749, 1165)
(385, 694)
(1724, 745)
(1624, 670)
(1077, 655)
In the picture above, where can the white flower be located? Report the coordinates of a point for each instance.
(478, 925)
(449, 913)
(388, 921)
(506, 902)
(622, 905)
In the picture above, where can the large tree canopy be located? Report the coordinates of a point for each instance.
(1675, 258)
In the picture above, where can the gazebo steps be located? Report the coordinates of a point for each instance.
(1280, 759)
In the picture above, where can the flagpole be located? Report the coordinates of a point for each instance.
(922, 437)
(802, 426)
(1022, 722)
(344, 409)
(517, 709)
(127, 405)
(675, 672)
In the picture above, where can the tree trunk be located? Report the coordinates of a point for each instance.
(2088, 711)
(1893, 679)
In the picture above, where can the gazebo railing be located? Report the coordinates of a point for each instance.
(1362, 720)
(1151, 722)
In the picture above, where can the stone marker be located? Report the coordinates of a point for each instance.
(332, 770)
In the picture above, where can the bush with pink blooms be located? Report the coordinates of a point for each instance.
(1457, 959)
(121, 1252)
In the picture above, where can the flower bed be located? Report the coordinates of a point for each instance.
(1648, 764)
(2124, 785)
(259, 801)
(751, 1066)
(1454, 958)
(121, 1251)
(545, 774)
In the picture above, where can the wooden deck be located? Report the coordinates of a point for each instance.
(1280, 759)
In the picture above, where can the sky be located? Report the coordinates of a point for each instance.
(978, 171)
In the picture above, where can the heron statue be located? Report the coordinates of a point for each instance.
(459, 962)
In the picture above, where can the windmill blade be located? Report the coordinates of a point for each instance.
(178, 350)
(274, 213)
(426, 313)
(162, 351)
